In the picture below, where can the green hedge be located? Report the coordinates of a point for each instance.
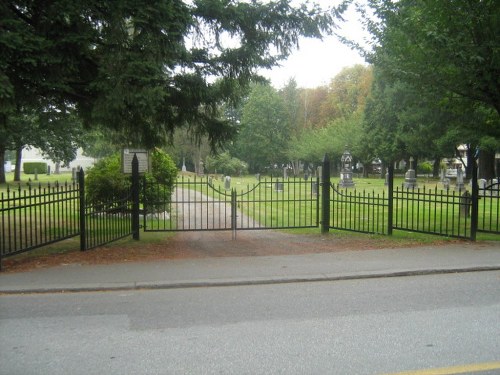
(32, 167)
(105, 183)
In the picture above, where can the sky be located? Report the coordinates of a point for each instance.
(318, 61)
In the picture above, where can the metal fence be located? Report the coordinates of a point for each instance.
(489, 208)
(451, 213)
(104, 222)
(433, 211)
(32, 217)
(199, 204)
(36, 216)
(359, 211)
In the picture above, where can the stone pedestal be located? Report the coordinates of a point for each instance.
(346, 179)
(460, 186)
(346, 171)
(410, 177)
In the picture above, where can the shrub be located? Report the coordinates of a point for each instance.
(34, 167)
(425, 167)
(105, 183)
(226, 165)
(159, 182)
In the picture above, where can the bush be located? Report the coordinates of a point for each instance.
(105, 183)
(226, 165)
(425, 167)
(34, 167)
(160, 182)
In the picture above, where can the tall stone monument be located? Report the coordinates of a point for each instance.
(346, 170)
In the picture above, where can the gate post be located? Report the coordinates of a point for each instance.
(325, 195)
(475, 202)
(390, 197)
(135, 198)
(81, 188)
(233, 213)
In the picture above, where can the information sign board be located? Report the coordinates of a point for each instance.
(128, 156)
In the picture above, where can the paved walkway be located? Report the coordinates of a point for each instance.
(248, 270)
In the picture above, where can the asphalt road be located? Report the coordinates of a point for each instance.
(375, 326)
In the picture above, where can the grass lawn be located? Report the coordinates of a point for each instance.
(43, 179)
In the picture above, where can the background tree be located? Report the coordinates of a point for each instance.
(264, 133)
(450, 46)
(402, 121)
(347, 92)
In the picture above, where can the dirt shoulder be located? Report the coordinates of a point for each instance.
(187, 245)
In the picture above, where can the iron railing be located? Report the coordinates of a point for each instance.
(198, 204)
(489, 208)
(33, 217)
(433, 211)
(36, 216)
(359, 211)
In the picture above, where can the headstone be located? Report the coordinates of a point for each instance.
(257, 177)
(285, 173)
(446, 183)
(7, 167)
(306, 176)
(442, 175)
(410, 177)
(278, 186)
(460, 180)
(481, 185)
(210, 182)
(73, 174)
(48, 170)
(183, 165)
(314, 188)
(386, 183)
(465, 204)
(227, 183)
(201, 169)
(36, 174)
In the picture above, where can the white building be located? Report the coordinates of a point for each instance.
(35, 155)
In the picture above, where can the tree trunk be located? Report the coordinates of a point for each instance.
(3, 148)
(17, 171)
(470, 161)
(435, 167)
(2, 164)
(487, 164)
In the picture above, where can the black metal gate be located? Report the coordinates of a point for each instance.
(204, 203)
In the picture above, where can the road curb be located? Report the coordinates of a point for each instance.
(212, 283)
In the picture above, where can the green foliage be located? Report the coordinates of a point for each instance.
(448, 46)
(425, 167)
(34, 167)
(264, 134)
(146, 66)
(226, 164)
(163, 169)
(312, 145)
(106, 183)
